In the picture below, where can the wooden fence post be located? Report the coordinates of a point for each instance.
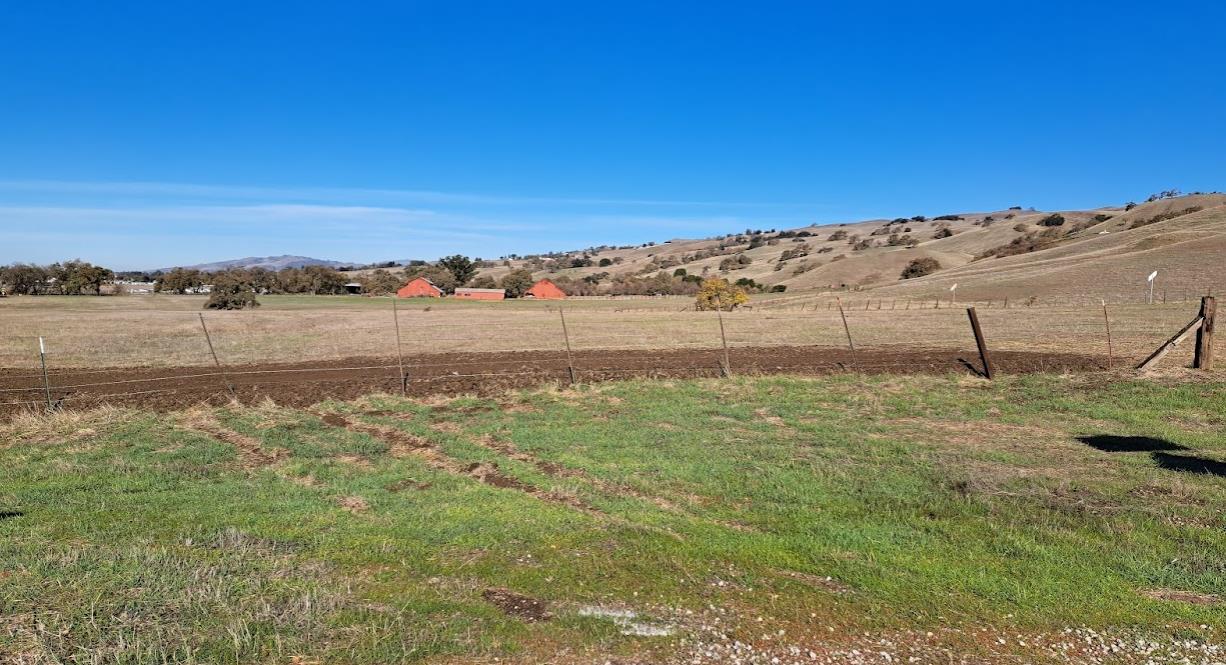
(847, 329)
(1170, 344)
(404, 378)
(1107, 322)
(570, 358)
(979, 341)
(1204, 336)
(212, 352)
(42, 359)
(725, 368)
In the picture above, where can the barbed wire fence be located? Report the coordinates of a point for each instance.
(422, 350)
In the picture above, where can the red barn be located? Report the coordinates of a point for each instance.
(545, 290)
(480, 294)
(419, 288)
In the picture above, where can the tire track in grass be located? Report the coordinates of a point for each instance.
(250, 452)
(555, 470)
(405, 444)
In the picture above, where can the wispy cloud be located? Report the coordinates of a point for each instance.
(144, 224)
(211, 191)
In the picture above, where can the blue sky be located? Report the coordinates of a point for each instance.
(142, 135)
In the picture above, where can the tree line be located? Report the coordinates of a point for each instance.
(79, 277)
(67, 278)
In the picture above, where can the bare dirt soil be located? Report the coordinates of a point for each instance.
(303, 384)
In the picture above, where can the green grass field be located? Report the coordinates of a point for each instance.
(925, 517)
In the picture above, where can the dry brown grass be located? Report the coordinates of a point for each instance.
(123, 332)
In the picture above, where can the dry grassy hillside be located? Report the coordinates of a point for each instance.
(1102, 253)
(1109, 260)
(1102, 239)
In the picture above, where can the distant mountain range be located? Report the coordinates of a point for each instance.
(267, 262)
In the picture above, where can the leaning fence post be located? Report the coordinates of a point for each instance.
(847, 329)
(42, 359)
(726, 368)
(1204, 336)
(570, 359)
(226, 377)
(404, 378)
(983, 346)
(1107, 322)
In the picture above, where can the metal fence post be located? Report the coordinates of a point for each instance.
(570, 358)
(726, 367)
(42, 359)
(226, 377)
(404, 378)
(847, 329)
(1107, 323)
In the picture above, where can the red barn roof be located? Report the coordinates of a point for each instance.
(546, 290)
(419, 288)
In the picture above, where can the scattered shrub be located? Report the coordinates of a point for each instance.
(1163, 216)
(943, 233)
(1054, 219)
(717, 293)
(1024, 244)
(920, 267)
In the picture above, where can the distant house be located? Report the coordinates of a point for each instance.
(419, 288)
(353, 288)
(545, 290)
(481, 294)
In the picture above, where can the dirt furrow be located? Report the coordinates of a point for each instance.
(310, 382)
(251, 453)
(486, 473)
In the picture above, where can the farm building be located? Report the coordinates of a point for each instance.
(481, 294)
(353, 288)
(545, 290)
(419, 288)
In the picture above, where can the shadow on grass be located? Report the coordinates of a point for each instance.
(972, 368)
(6, 514)
(1189, 464)
(1110, 443)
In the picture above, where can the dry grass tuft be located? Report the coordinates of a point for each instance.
(354, 504)
(61, 425)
